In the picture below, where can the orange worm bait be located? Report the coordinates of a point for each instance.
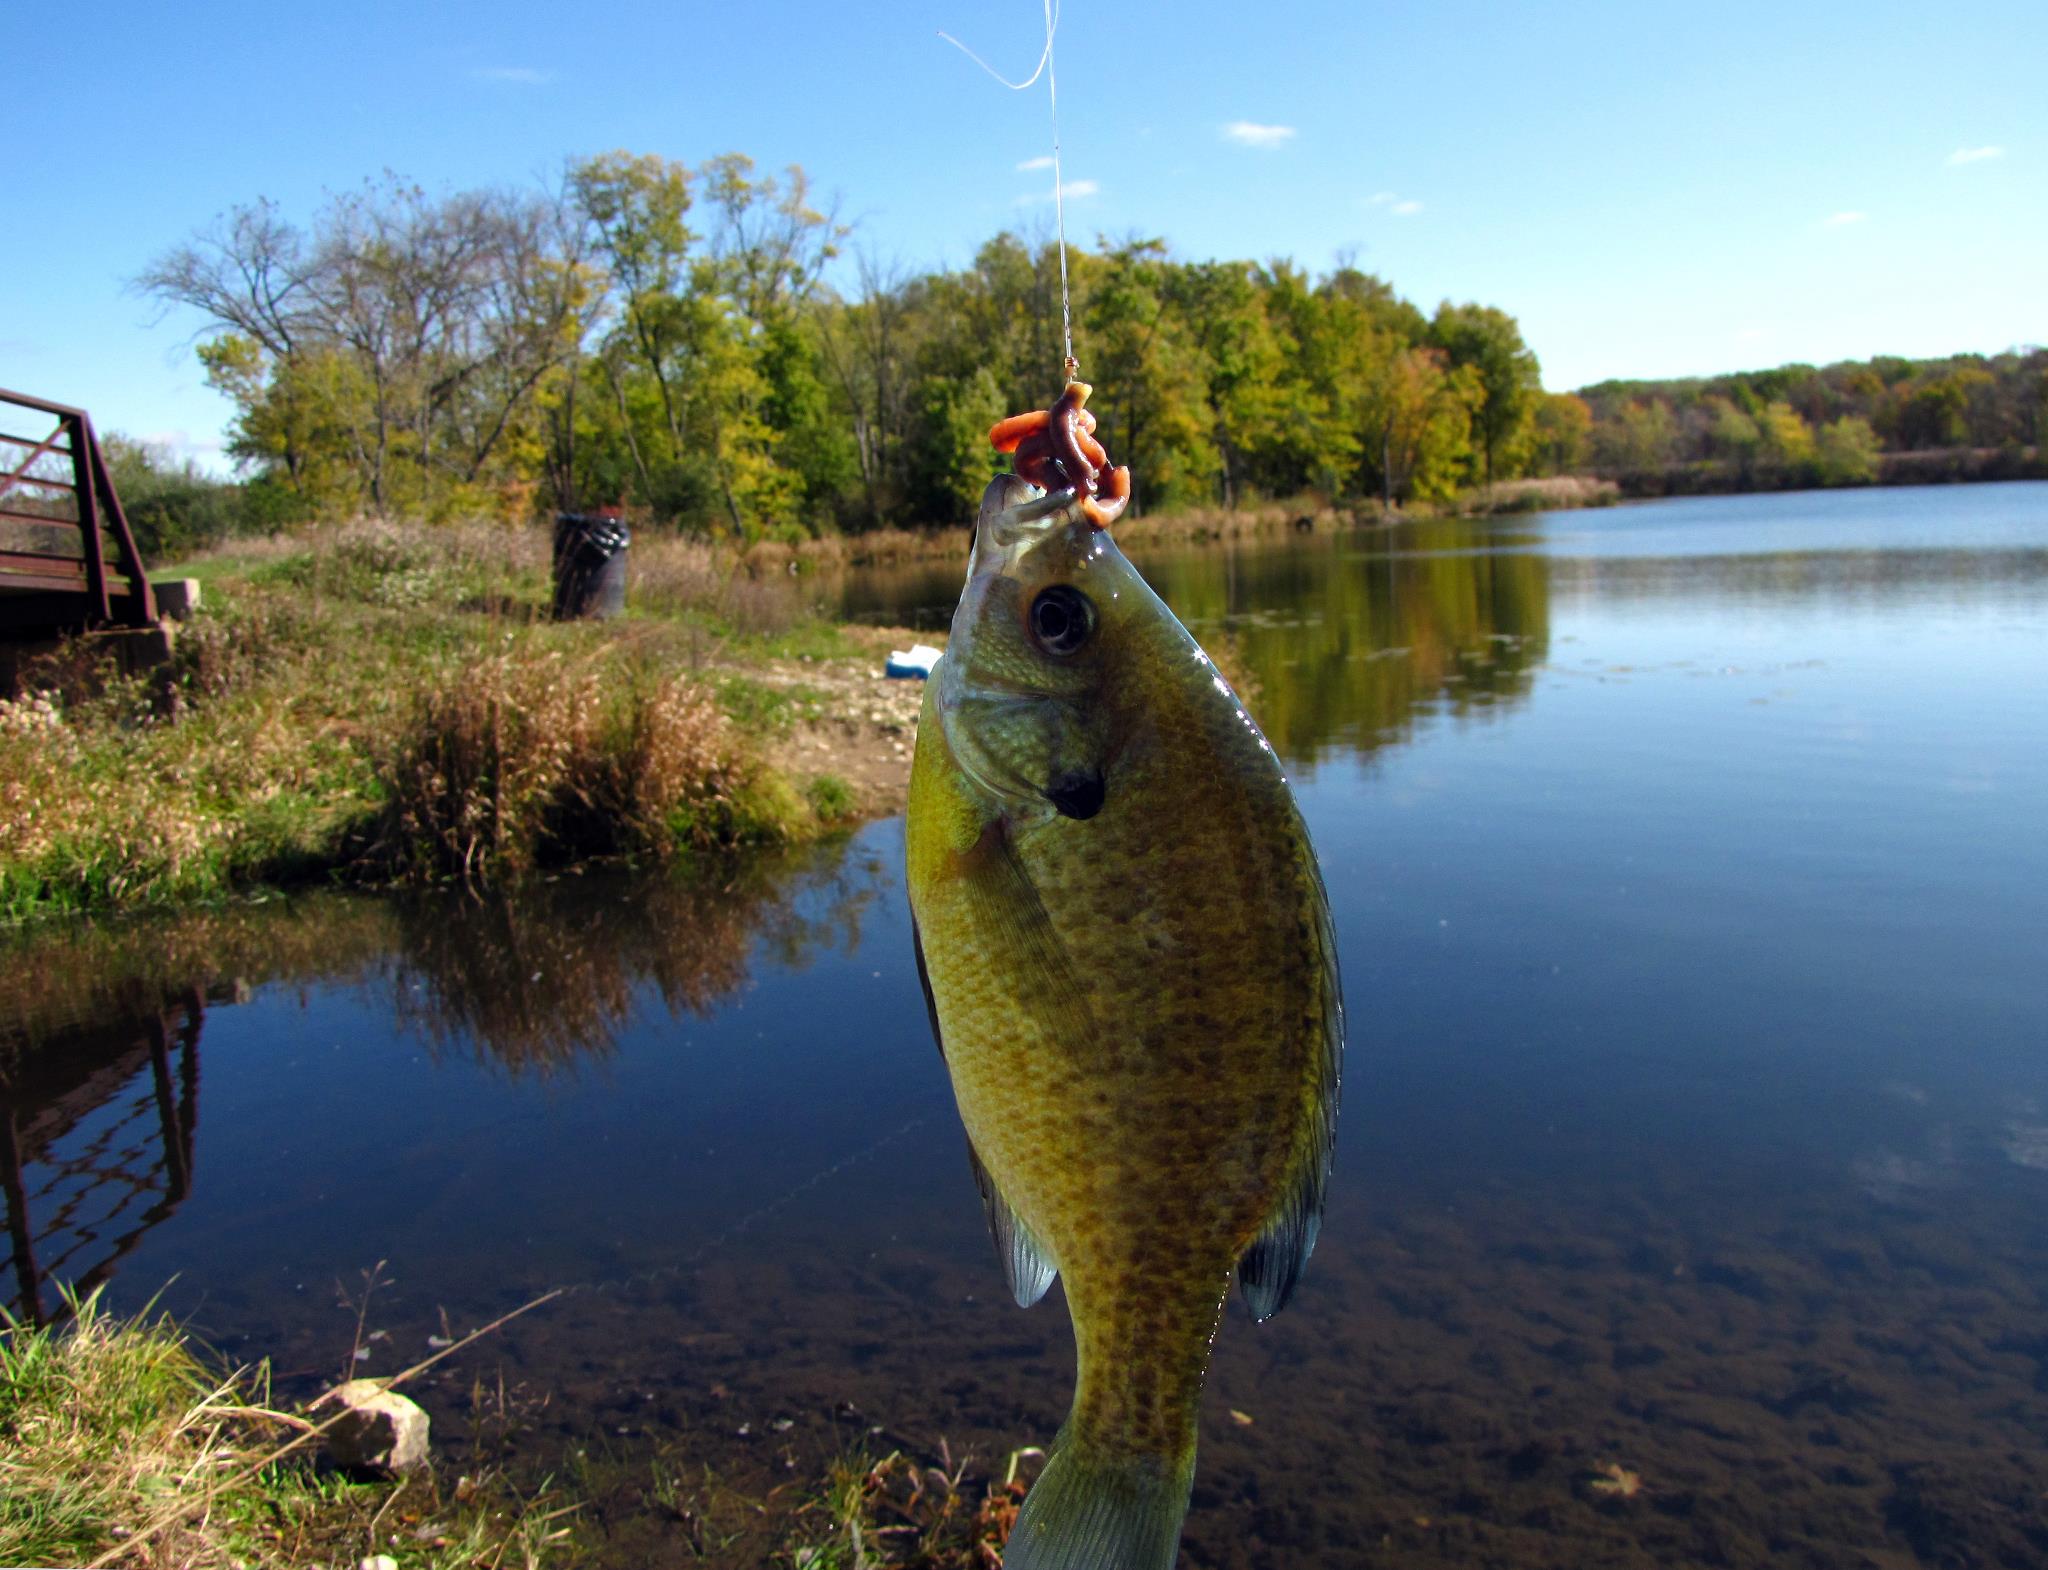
(1055, 449)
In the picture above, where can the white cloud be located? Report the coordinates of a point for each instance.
(1399, 206)
(1974, 155)
(520, 75)
(1070, 190)
(1751, 334)
(1043, 161)
(1246, 133)
(1843, 219)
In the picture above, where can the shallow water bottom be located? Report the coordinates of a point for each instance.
(1691, 1198)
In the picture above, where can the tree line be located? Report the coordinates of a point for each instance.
(705, 345)
(677, 339)
(1848, 423)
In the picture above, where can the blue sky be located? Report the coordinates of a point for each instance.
(1651, 189)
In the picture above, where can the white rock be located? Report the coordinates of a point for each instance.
(382, 1431)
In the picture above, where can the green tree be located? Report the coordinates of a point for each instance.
(1787, 438)
(1733, 436)
(1490, 341)
(1641, 437)
(1419, 413)
(951, 459)
(1146, 372)
(1847, 451)
(1558, 433)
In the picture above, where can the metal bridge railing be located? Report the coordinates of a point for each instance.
(67, 555)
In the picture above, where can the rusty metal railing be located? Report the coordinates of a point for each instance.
(56, 493)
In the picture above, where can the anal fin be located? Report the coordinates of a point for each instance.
(1268, 1270)
(1027, 1267)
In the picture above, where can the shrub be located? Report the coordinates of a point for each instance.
(525, 760)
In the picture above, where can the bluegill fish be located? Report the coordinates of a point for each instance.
(1127, 951)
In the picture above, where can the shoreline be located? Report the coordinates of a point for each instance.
(372, 706)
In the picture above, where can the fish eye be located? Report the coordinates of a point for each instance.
(1062, 618)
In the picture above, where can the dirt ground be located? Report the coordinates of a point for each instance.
(866, 727)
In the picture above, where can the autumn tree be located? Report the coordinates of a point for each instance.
(394, 349)
(1558, 433)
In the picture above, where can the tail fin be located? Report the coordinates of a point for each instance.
(1090, 1512)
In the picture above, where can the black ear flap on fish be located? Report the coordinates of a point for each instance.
(1078, 793)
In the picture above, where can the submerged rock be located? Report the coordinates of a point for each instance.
(382, 1431)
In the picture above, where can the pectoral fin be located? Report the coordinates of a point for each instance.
(1026, 1266)
(924, 980)
(1007, 918)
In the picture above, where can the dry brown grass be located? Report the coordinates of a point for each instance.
(531, 756)
(1553, 492)
(884, 546)
(759, 594)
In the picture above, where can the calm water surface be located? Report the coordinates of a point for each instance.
(1690, 868)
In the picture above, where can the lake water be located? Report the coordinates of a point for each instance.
(1690, 868)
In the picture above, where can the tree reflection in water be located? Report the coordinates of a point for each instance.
(1380, 625)
(100, 1025)
(1379, 630)
(536, 982)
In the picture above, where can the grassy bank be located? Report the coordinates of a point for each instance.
(119, 1445)
(122, 1444)
(377, 704)
(373, 704)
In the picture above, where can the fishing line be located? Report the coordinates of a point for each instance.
(1046, 69)
(746, 1223)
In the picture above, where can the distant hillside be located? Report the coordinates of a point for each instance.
(1884, 420)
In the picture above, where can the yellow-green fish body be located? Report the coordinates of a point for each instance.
(1128, 954)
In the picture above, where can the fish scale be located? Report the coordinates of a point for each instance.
(1138, 1006)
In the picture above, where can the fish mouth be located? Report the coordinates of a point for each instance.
(1078, 793)
(1014, 512)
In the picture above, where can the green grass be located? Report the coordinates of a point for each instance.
(766, 708)
(371, 704)
(119, 1445)
(831, 798)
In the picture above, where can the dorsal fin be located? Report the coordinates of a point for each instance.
(1027, 1267)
